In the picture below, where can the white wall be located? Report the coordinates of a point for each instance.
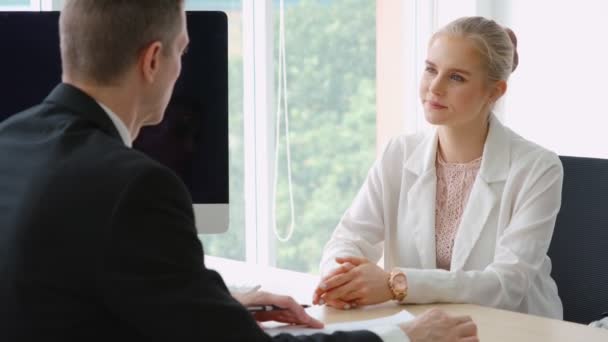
(558, 96)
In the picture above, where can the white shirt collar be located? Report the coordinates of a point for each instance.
(120, 126)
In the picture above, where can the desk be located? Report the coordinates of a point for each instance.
(494, 325)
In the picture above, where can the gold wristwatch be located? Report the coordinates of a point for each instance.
(397, 282)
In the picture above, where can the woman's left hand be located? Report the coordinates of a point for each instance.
(294, 313)
(364, 284)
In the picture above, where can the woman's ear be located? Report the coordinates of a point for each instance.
(498, 90)
(149, 61)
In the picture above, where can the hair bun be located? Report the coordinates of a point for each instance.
(513, 38)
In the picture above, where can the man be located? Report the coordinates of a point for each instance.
(98, 241)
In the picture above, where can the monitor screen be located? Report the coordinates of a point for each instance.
(192, 139)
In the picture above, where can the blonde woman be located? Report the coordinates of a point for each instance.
(462, 215)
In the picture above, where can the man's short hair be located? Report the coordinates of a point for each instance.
(101, 39)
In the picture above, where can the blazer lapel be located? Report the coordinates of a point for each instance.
(420, 212)
(474, 217)
(494, 168)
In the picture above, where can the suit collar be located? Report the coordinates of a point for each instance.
(119, 124)
(495, 159)
(83, 105)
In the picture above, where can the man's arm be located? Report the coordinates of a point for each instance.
(152, 275)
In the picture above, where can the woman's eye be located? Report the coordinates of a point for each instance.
(457, 78)
(429, 69)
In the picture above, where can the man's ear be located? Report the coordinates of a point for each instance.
(149, 61)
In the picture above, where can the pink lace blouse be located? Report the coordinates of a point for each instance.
(454, 183)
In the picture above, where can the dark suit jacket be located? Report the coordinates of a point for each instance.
(97, 241)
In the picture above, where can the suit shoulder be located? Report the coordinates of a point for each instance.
(128, 161)
(105, 163)
(129, 173)
(15, 119)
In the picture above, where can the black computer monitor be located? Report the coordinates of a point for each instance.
(192, 139)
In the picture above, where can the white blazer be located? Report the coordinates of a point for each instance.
(500, 249)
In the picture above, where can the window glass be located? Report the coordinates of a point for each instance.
(331, 86)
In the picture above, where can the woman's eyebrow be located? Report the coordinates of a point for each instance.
(462, 71)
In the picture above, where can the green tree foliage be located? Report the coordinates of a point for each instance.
(331, 72)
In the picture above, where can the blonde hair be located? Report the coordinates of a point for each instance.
(496, 44)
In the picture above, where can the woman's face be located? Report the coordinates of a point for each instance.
(455, 90)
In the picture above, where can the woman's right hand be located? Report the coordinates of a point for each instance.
(357, 282)
(321, 289)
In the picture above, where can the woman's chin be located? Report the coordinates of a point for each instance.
(435, 118)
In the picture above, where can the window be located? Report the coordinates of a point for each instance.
(329, 49)
(20, 5)
(330, 83)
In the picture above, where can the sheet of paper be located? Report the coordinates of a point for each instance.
(400, 317)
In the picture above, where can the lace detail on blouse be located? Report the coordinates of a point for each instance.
(454, 183)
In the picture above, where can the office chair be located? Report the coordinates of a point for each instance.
(579, 248)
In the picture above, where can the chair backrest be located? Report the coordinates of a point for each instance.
(579, 248)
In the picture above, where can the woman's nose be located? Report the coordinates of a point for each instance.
(437, 86)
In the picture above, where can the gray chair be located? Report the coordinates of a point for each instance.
(579, 249)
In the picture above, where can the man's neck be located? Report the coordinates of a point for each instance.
(118, 99)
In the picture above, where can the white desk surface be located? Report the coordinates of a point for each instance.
(494, 325)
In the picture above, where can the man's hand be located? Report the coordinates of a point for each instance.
(602, 323)
(293, 313)
(436, 326)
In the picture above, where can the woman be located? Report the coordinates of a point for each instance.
(463, 215)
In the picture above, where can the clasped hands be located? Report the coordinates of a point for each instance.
(355, 282)
(359, 282)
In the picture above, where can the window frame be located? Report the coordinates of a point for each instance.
(258, 37)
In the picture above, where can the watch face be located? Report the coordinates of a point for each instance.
(399, 282)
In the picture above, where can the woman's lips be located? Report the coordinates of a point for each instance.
(436, 105)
